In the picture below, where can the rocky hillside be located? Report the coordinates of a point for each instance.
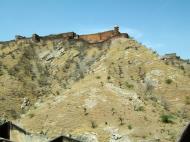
(112, 91)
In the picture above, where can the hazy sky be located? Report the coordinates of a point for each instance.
(163, 25)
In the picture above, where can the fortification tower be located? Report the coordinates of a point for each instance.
(116, 30)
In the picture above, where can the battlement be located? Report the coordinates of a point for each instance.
(99, 37)
(69, 35)
(170, 56)
(91, 38)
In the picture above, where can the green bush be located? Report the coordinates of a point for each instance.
(168, 81)
(129, 127)
(167, 118)
(98, 77)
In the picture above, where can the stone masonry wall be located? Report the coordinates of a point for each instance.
(92, 38)
(98, 37)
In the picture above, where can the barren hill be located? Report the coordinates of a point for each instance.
(103, 87)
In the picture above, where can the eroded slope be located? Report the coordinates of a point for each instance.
(117, 90)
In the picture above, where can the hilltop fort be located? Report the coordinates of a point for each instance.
(101, 87)
(91, 38)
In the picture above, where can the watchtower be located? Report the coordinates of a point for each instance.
(116, 30)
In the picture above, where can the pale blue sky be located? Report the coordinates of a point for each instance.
(163, 25)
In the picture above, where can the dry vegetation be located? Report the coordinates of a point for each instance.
(116, 90)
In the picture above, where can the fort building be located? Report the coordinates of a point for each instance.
(102, 36)
(91, 38)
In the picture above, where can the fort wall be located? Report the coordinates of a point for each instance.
(91, 38)
(69, 35)
(98, 37)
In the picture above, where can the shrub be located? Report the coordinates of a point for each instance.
(43, 81)
(57, 93)
(167, 63)
(168, 81)
(130, 86)
(121, 120)
(2, 98)
(1, 72)
(129, 127)
(113, 111)
(140, 108)
(31, 115)
(182, 67)
(132, 78)
(13, 56)
(154, 98)
(85, 111)
(93, 124)
(167, 118)
(108, 77)
(98, 77)
(187, 100)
